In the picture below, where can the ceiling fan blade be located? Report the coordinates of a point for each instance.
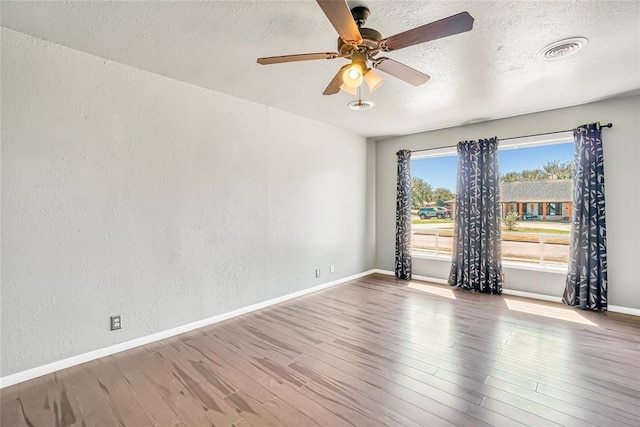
(445, 27)
(293, 58)
(401, 71)
(335, 83)
(340, 17)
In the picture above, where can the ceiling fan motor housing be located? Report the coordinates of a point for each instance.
(360, 58)
(370, 39)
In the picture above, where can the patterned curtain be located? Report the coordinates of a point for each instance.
(403, 216)
(587, 275)
(477, 241)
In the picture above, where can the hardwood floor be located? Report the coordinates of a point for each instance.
(371, 352)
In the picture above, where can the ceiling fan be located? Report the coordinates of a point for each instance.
(361, 45)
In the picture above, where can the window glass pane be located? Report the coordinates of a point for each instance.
(556, 249)
(539, 178)
(434, 186)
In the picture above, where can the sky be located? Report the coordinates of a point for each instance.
(441, 171)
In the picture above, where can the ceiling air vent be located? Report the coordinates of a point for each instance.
(563, 48)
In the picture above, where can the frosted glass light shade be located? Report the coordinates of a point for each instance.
(373, 80)
(349, 90)
(352, 76)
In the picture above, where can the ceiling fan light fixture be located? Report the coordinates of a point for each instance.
(373, 80)
(353, 76)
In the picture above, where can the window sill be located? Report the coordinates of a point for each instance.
(554, 269)
(424, 255)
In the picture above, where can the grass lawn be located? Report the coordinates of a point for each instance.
(535, 230)
(515, 236)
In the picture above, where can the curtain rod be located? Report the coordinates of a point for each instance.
(608, 125)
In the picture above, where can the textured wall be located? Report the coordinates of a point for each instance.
(128, 192)
(622, 181)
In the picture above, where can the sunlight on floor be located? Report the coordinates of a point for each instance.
(547, 311)
(440, 291)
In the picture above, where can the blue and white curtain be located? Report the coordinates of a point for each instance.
(477, 241)
(403, 216)
(586, 285)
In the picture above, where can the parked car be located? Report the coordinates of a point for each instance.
(445, 212)
(437, 212)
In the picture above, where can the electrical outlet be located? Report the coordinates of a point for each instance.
(317, 272)
(332, 269)
(116, 322)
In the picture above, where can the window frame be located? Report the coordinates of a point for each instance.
(510, 144)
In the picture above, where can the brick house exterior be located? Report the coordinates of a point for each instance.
(549, 200)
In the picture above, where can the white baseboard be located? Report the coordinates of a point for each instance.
(532, 295)
(414, 277)
(117, 348)
(624, 310)
(430, 279)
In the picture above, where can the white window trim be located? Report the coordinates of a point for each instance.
(511, 144)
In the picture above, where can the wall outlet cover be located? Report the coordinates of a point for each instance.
(116, 322)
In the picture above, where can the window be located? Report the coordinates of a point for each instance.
(554, 209)
(434, 185)
(536, 184)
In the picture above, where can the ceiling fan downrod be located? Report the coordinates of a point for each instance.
(360, 15)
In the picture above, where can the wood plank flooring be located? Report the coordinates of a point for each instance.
(371, 352)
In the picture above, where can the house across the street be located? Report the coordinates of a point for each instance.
(548, 200)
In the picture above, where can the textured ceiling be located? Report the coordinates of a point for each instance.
(490, 72)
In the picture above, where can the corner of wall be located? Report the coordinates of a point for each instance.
(370, 209)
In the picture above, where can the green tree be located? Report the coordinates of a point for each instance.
(511, 177)
(441, 195)
(510, 220)
(421, 192)
(558, 170)
(533, 175)
(551, 170)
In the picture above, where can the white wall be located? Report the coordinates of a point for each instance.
(622, 186)
(128, 192)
